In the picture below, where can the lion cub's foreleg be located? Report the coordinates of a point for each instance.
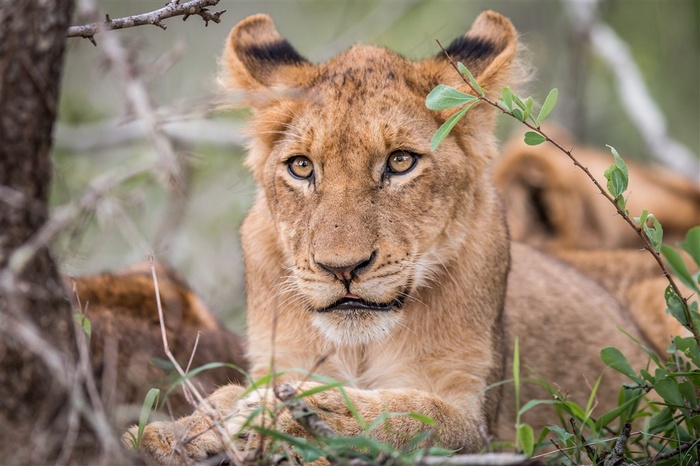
(197, 437)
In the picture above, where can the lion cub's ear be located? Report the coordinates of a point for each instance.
(258, 57)
(488, 50)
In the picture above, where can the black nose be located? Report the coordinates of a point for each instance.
(346, 273)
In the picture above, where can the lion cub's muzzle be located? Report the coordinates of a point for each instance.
(346, 274)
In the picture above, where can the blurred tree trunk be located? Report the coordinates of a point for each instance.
(37, 411)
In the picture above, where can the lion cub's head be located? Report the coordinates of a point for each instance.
(366, 214)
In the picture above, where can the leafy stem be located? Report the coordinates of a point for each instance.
(522, 111)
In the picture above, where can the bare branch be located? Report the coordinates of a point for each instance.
(66, 214)
(617, 455)
(172, 9)
(661, 456)
(139, 100)
(95, 137)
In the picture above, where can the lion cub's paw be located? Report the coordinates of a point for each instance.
(209, 431)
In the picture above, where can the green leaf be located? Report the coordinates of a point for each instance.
(695, 422)
(660, 420)
(616, 185)
(532, 403)
(691, 245)
(320, 388)
(444, 97)
(84, 323)
(463, 69)
(353, 409)
(677, 266)
(591, 397)
(617, 175)
(427, 420)
(507, 97)
(151, 401)
(655, 233)
(668, 390)
(307, 450)
(618, 160)
(687, 390)
(516, 371)
(526, 439)
(613, 358)
(563, 435)
(528, 107)
(519, 102)
(689, 347)
(371, 445)
(532, 138)
(548, 105)
(642, 220)
(607, 418)
(517, 113)
(447, 126)
(674, 306)
(650, 352)
(194, 372)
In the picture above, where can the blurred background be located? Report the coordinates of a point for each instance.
(590, 51)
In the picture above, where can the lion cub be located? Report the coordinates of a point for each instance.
(389, 259)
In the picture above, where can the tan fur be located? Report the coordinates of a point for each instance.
(552, 204)
(126, 337)
(433, 238)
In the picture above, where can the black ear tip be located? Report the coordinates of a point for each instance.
(467, 48)
(279, 51)
(256, 39)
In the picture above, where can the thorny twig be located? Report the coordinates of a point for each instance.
(173, 8)
(638, 229)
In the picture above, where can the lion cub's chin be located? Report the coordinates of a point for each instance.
(356, 327)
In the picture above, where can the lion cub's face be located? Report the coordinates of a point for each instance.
(355, 192)
(364, 211)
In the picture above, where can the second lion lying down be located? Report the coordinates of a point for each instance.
(391, 260)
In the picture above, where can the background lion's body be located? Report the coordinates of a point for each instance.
(126, 343)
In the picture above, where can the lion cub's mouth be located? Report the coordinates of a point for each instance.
(352, 302)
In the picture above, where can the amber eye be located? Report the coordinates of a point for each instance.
(401, 162)
(300, 167)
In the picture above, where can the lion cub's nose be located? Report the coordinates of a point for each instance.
(346, 273)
